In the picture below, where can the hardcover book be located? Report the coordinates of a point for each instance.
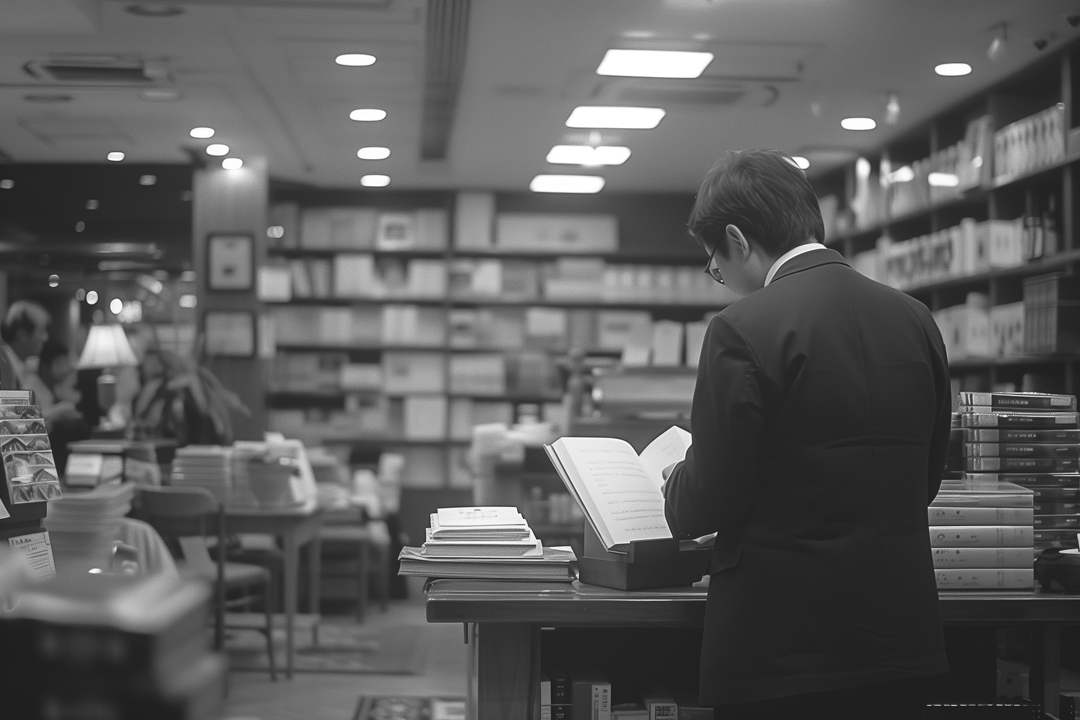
(967, 558)
(1007, 464)
(1055, 420)
(985, 579)
(1018, 400)
(948, 515)
(994, 449)
(981, 536)
(1020, 435)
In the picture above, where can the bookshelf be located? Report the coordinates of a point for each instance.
(1001, 212)
(400, 334)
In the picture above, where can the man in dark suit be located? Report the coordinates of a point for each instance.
(820, 422)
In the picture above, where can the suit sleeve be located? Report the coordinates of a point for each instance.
(713, 489)
(939, 440)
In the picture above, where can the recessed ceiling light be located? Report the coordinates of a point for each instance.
(147, 180)
(202, 132)
(640, 118)
(367, 115)
(375, 180)
(654, 63)
(355, 59)
(47, 98)
(232, 163)
(588, 155)
(115, 156)
(7, 184)
(217, 149)
(586, 184)
(91, 297)
(154, 11)
(159, 95)
(373, 153)
(858, 123)
(54, 281)
(800, 162)
(953, 69)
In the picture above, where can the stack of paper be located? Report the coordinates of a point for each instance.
(485, 542)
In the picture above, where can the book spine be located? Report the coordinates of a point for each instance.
(987, 449)
(1006, 464)
(1056, 522)
(1018, 401)
(1043, 495)
(1065, 480)
(966, 558)
(1019, 435)
(980, 515)
(945, 499)
(601, 701)
(1058, 509)
(1019, 420)
(981, 536)
(985, 579)
(560, 686)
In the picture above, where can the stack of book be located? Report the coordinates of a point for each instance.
(205, 466)
(981, 536)
(1032, 440)
(494, 543)
(111, 647)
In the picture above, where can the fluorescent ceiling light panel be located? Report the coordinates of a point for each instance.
(355, 59)
(202, 132)
(373, 153)
(588, 155)
(367, 115)
(953, 69)
(582, 184)
(232, 163)
(858, 123)
(624, 118)
(654, 63)
(217, 150)
(375, 180)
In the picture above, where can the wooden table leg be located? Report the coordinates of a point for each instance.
(314, 550)
(508, 671)
(291, 571)
(1045, 678)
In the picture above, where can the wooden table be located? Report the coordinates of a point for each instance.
(506, 622)
(295, 527)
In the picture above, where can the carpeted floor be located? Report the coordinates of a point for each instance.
(342, 646)
(400, 707)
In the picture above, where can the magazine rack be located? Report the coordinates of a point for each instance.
(646, 564)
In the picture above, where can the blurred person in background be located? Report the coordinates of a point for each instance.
(56, 369)
(23, 332)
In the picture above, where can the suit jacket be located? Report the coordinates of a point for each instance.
(821, 423)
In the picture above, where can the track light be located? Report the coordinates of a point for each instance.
(998, 43)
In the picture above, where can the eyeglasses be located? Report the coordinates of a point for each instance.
(711, 271)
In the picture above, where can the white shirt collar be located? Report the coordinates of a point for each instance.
(793, 252)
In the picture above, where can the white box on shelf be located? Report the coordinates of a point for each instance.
(425, 417)
(354, 276)
(396, 231)
(338, 228)
(431, 229)
(569, 233)
(274, 284)
(667, 343)
(413, 372)
(474, 221)
(1007, 329)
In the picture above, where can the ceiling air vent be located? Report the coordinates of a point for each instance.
(97, 70)
(665, 93)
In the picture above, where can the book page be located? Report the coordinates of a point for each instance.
(668, 448)
(622, 500)
(484, 516)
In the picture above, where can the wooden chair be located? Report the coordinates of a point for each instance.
(361, 547)
(186, 517)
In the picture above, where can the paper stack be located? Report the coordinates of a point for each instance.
(205, 466)
(82, 526)
(485, 543)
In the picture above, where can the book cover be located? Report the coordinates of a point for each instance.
(981, 536)
(1019, 420)
(985, 579)
(982, 557)
(950, 515)
(997, 449)
(1021, 435)
(1034, 464)
(560, 686)
(1018, 401)
(661, 706)
(529, 548)
(983, 493)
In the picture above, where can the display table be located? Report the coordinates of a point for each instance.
(295, 527)
(504, 621)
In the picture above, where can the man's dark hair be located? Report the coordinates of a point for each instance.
(51, 350)
(762, 193)
(23, 315)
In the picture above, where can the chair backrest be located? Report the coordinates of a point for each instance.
(184, 517)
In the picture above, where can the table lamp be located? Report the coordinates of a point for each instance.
(106, 347)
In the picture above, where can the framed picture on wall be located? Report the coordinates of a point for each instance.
(230, 261)
(230, 333)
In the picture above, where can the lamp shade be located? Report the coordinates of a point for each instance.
(106, 346)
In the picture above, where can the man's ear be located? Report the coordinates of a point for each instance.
(737, 242)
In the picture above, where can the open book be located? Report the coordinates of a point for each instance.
(619, 490)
